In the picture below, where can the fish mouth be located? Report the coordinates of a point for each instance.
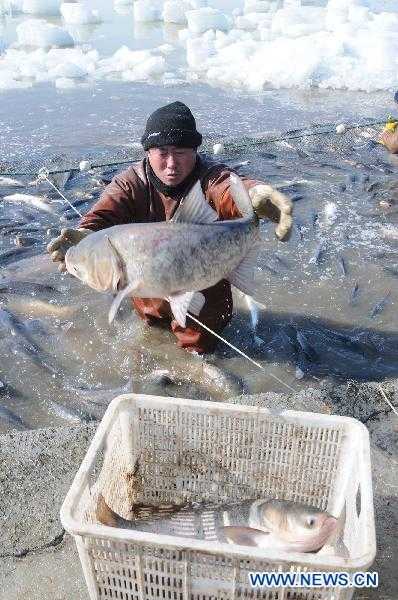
(328, 527)
(313, 542)
(326, 531)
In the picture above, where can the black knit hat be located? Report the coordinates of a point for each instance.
(171, 125)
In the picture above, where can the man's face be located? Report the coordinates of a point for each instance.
(172, 164)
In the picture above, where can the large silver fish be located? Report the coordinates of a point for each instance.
(276, 524)
(175, 259)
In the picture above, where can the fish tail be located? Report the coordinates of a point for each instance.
(107, 516)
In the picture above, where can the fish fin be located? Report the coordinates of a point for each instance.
(194, 208)
(243, 276)
(118, 300)
(240, 196)
(181, 303)
(197, 303)
(118, 266)
(245, 536)
(119, 262)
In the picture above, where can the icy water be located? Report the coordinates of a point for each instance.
(329, 294)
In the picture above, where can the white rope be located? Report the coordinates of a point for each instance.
(242, 353)
(387, 400)
(43, 176)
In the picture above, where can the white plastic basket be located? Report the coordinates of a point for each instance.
(151, 449)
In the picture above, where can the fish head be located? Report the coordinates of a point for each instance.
(97, 263)
(300, 527)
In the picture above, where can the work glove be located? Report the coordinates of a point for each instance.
(271, 204)
(59, 245)
(390, 140)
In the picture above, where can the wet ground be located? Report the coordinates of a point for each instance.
(328, 295)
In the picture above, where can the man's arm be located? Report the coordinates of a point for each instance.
(267, 202)
(116, 206)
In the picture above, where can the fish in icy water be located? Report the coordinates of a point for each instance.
(379, 307)
(9, 182)
(319, 252)
(35, 201)
(254, 319)
(10, 420)
(15, 254)
(274, 524)
(25, 288)
(354, 293)
(175, 259)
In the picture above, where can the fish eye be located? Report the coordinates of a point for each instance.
(310, 521)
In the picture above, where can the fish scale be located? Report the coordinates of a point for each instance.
(253, 522)
(174, 259)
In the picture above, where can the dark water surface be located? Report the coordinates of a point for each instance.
(329, 293)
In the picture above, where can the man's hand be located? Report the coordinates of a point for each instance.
(390, 140)
(269, 203)
(59, 245)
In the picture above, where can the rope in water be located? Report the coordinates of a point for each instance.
(43, 176)
(230, 144)
(241, 353)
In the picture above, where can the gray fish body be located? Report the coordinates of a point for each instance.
(168, 257)
(343, 265)
(319, 252)
(100, 396)
(379, 307)
(25, 288)
(22, 341)
(174, 259)
(265, 523)
(10, 256)
(70, 414)
(11, 420)
(201, 521)
(305, 346)
(354, 293)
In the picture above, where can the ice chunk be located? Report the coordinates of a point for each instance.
(259, 6)
(132, 65)
(295, 22)
(77, 13)
(251, 21)
(198, 52)
(68, 70)
(145, 11)
(65, 83)
(206, 18)
(174, 12)
(148, 69)
(7, 81)
(41, 7)
(37, 32)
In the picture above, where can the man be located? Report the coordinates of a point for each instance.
(151, 190)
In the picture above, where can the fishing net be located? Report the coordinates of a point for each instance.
(355, 141)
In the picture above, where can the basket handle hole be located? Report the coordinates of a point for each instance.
(358, 501)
